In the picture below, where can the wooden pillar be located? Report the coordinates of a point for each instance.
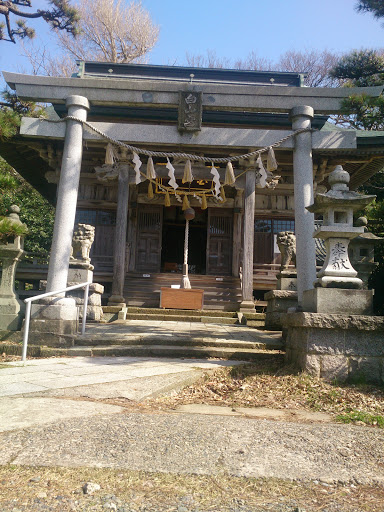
(117, 298)
(237, 230)
(247, 304)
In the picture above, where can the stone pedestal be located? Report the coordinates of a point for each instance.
(287, 280)
(336, 347)
(279, 301)
(94, 309)
(54, 322)
(338, 301)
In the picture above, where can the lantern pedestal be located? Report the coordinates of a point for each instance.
(338, 301)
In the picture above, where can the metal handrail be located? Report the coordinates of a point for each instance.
(49, 294)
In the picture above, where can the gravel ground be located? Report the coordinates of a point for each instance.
(201, 444)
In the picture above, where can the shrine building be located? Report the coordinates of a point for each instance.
(119, 163)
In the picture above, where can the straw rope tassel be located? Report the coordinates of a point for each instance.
(110, 156)
(222, 194)
(204, 205)
(187, 177)
(150, 190)
(271, 160)
(229, 175)
(167, 199)
(186, 204)
(151, 174)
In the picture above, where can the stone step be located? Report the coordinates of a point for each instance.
(183, 312)
(177, 318)
(268, 341)
(169, 351)
(256, 323)
(148, 302)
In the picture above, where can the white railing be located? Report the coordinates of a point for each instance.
(49, 294)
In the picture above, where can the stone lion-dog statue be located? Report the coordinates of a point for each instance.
(83, 237)
(286, 241)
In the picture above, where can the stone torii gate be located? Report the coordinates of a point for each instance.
(80, 95)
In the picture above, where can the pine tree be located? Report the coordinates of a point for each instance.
(59, 15)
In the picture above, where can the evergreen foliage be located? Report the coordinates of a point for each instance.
(59, 14)
(376, 7)
(35, 211)
(364, 68)
(9, 230)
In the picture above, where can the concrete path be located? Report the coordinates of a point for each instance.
(48, 417)
(132, 378)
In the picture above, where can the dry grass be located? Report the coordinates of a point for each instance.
(277, 387)
(59, 489)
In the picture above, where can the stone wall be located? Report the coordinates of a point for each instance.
(336, 347)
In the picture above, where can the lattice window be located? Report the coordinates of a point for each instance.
(96, 217)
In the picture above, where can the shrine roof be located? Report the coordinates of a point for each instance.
(89, 69)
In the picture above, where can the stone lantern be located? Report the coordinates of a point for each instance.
(337, 288)
(11, 307)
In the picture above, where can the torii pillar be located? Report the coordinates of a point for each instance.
(56, 316)
(303, 196)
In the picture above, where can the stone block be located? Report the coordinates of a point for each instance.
(326, 341)
(334, 368)
(365, 369)
(50, 340)
(62, 312)
(364, 343)
(288, 282)
(79, 275)
(312, 364)
(338, 301)
(279, 301)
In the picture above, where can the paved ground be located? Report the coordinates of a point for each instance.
(48, 419)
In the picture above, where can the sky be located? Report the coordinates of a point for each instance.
(233, 29)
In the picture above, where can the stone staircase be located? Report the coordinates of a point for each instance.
(172, 333)
(220, 292)
(117, 339)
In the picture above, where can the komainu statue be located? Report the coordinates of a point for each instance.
(286, 241)
(83, 237)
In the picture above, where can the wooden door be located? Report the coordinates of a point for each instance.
(148, 241)
(219, 246)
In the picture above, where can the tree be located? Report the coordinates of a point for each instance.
(314, 64)
(376, 7)
(109, 31)
(60, 16)
(362, 68)
(35, 211)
